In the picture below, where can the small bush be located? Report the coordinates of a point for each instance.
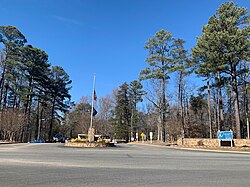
(78, 140)
(200, 143)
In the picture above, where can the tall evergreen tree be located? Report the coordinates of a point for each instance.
(180, 64)
(12, 39)
(28, 87)
(135, 94)
(160, 60)
(58, 91)
(225, 43)
(122, 112)
(35, 70)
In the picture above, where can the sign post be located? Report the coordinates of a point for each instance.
(151, 137)
(142, 137)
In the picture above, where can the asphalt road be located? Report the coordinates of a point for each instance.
(125, 165)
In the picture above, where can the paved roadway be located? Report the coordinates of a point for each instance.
(126, 165)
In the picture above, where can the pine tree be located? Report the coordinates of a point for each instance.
(180, 64)
(58, 91)
(224, 44)
(122, 112)
(135, 94)
(13, 40)
(160, 48)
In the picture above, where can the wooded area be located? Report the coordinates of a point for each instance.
(35, 99)
(32, 92)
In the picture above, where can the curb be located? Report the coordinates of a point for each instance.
(210, 150)
(4, 143)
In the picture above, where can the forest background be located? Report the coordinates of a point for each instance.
(35, 96)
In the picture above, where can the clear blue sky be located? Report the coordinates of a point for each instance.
(105, 37)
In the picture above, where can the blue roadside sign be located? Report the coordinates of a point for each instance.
(225, 135)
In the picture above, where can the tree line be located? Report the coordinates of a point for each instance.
(32, 92)
(220, 58)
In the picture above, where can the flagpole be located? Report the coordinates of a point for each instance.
(92, 110)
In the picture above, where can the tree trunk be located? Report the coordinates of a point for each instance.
(246, 99)
(5, 97)
(163, 110)
(215, 110)
(14, 102)
(131, 125)
(37, 120)
(236, 103)
(28, 109)
(187, 115)
(180, 107)
(230, 107)
(2, 80)
(29, 129)
(159, 129)
(202, 125)
(209, 108)
(248, 132)
(52, 119)
(220, 105)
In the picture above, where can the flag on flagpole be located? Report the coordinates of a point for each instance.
(94, 112)
(95, 97)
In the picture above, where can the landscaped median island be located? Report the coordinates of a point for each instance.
(79, 142)
(86, 144)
